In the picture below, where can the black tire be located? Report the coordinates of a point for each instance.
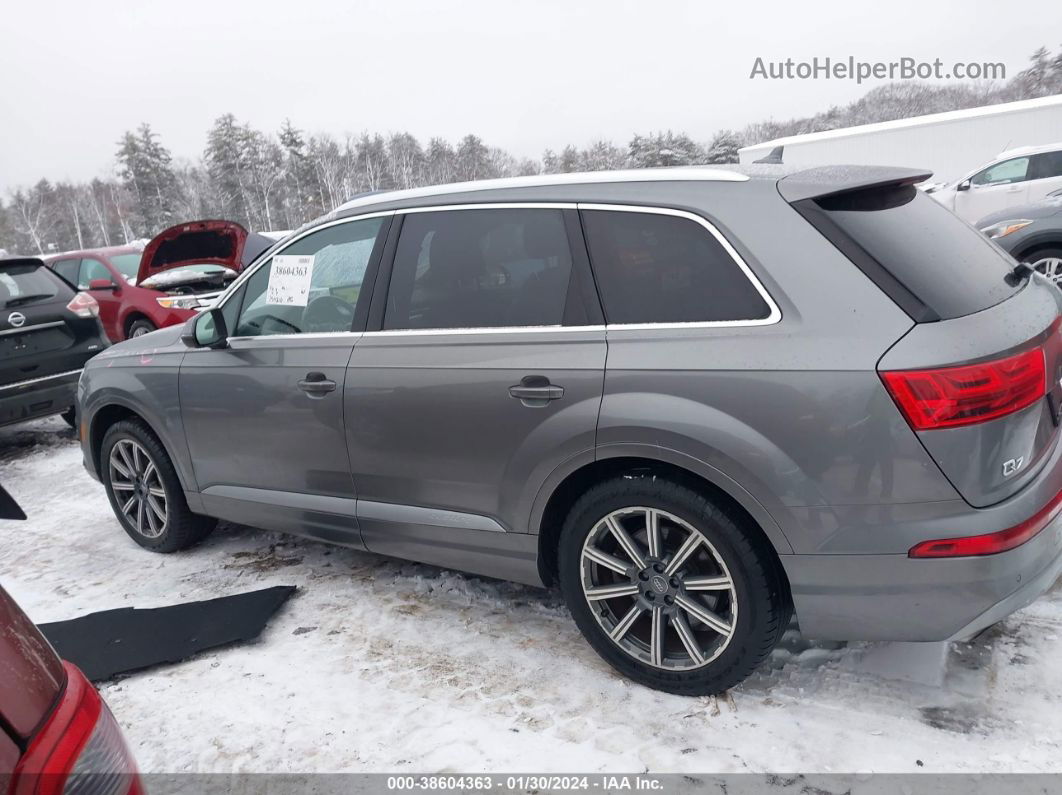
(757, 595)
(180, 528)
(70, 417)
(140, 327)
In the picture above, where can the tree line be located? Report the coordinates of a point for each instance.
(271, 181)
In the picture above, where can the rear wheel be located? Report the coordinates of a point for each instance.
(140, 327)
(670, 588)
(1047, 261)
(144, 490)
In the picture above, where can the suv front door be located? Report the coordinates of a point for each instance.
(480, 375)
(263, 416)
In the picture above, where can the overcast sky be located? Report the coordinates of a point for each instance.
(522, 75)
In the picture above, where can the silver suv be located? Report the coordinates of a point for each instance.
(698, 400)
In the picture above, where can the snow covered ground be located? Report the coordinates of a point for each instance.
(381, 665)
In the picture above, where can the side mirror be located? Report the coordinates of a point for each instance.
(964, 185)
(206, 330)
(102, 284)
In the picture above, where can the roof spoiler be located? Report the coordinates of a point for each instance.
(823, 181)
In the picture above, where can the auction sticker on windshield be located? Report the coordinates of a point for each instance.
(289, 280)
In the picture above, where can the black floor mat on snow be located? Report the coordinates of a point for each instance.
(128, 639)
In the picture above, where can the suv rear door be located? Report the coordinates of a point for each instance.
(480, 374)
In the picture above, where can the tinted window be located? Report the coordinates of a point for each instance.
(654, 268)
(479, 269)
(67, 268)
(1006, 172)
(24, 285)
(92, 269)
(340, 257)
(1048, 164)
(943, 262)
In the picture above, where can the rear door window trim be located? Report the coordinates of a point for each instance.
(382, 280)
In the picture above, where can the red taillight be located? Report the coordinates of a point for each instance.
(84, 305)
(79, 749)
(990, 543)
(948, 397)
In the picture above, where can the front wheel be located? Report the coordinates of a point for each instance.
(1048, 262)
(671, 589)
(144, 490)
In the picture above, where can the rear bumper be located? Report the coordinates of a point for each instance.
(38, 397)
(894, 597)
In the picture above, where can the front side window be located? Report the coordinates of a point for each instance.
(480, 269)
(338, 257)
(92, 269)
(127, 264)
(1003, 173)
(656, 268)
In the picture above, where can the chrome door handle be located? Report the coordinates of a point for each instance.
(316, 385)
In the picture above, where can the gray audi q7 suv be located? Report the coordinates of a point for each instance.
(698, 400)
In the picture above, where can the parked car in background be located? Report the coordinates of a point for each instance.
(1016, 177)
(176, 274)
(637, 384)
(56, 733)
(48, 331)
(1031, 233)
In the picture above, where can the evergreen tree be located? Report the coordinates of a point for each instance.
(146, 171)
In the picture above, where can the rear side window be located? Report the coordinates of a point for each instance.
(946, 265)
(1046, 165)
(479, 269)
(655, 268)
(24, 285)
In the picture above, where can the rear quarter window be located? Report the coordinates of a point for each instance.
(946, 265)
(663, 268)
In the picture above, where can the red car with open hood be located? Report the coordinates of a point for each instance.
(180, 271)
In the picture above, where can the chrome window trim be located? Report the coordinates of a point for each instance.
(774, 316)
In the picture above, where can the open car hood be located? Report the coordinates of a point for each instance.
(223, 243)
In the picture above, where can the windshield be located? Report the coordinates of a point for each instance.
(127, 264)
(21, 285)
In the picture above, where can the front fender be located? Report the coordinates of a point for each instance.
(143, 383)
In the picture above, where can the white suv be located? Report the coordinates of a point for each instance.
(1017, 176)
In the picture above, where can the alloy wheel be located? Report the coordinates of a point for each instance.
(658, 588)
(1051, 267)
(138, 488)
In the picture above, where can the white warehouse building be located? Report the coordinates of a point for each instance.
(951, 144)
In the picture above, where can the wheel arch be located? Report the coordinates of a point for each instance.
(1041, 244)
(557, 497)
(108, 415)
(131, 317)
